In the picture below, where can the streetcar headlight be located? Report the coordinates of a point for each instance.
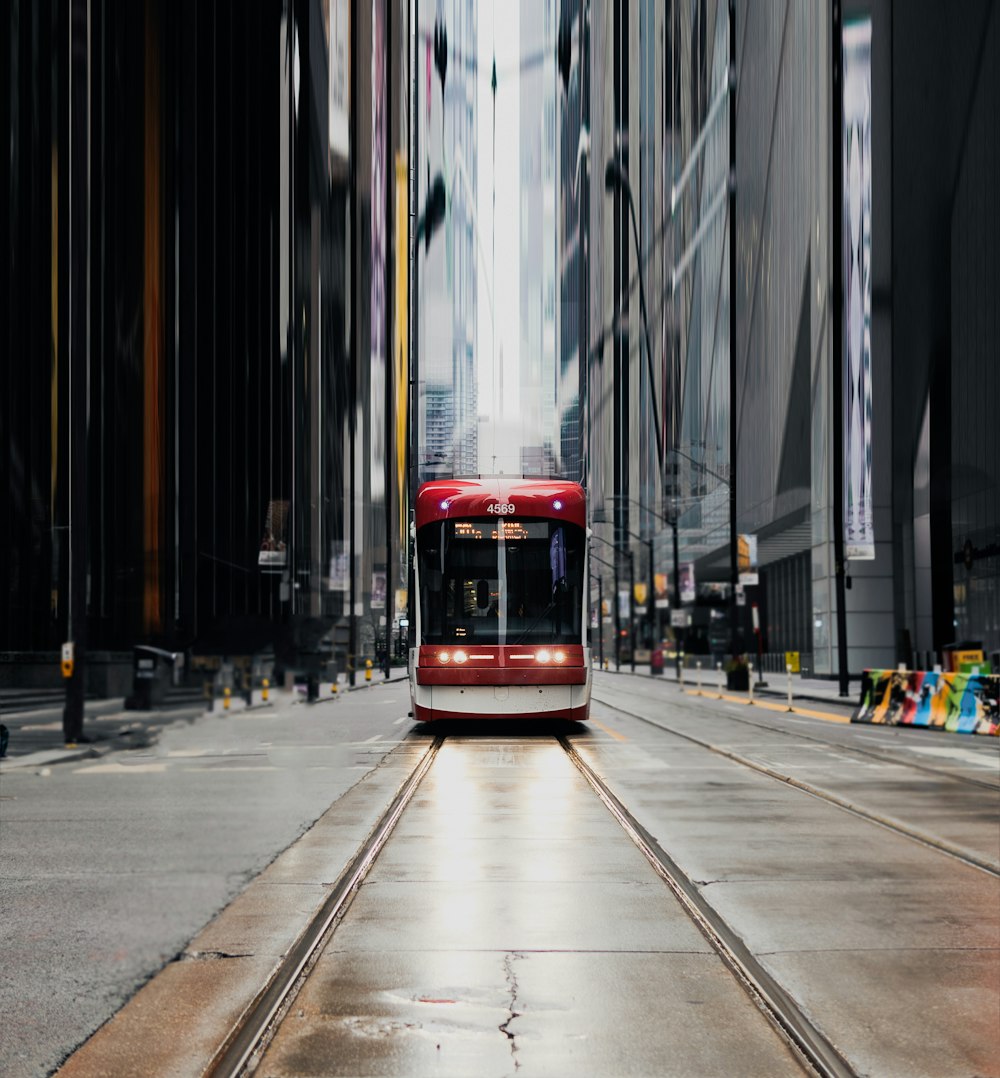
(560, 656)
(543, 656)
(443, 656)
(459, 656)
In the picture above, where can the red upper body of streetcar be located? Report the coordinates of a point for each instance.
(501, 581)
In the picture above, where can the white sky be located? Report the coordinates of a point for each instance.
(499, 434)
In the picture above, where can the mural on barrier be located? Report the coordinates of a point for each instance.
(959, 703)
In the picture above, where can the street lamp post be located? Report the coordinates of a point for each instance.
(648, 543)
(600, 609)
(631, 602)
(733, 425)
(677, 592)
(631, 609)
(616, 177)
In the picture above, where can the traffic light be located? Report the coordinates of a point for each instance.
(564, 52)
(434, 211)
(441, 52)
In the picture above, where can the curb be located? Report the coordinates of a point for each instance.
(92, 750)
(839, 701)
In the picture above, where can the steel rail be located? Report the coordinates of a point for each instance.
(808, 1043)
(251, 1032)
(967, 857)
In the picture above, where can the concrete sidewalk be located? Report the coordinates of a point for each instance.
(36, 736)
(816, 690)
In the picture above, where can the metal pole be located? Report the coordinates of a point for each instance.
(677, 598)
(650, 604)
(414, 426)
(355, 277)
(79, 357)
(733, 426)
(618, 619)
(837, 379)
(631, 607)
(388, 336)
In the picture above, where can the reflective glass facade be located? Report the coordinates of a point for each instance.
(179, 299)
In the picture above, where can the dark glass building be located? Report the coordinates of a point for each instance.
(196, 376)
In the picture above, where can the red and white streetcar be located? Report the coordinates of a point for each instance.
(501, 580)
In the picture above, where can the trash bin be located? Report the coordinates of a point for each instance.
(151, 674)
(656, 661)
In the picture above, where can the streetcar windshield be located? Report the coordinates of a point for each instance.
(501, 581)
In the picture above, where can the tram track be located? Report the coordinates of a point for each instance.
(882, 757)
(966, 857)
(816, 1053)
(251, 1036)
(248, 1043)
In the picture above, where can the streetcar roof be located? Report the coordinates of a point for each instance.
(501, 495)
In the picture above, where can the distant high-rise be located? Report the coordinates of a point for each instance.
(539, 238)
(449, 277)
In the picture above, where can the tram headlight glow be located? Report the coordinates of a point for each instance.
(542, 656)
(444, 656)
(460, 656)
(559, 656)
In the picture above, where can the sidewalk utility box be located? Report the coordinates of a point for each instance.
(151, 676)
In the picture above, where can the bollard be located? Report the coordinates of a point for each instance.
(210, 695)
(248, 694)
(788, 668)
(226, 693)
(750, 681)
(368, 670)
(698, 668)
(680, 676)
(334, 689)
(265, 686)
(718, 666)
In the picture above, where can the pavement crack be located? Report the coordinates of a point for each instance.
(201, 956)
(512, 1011)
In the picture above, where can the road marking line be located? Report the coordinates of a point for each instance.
(368, 741)
(402, 718)
(828, 716)
(613, 733)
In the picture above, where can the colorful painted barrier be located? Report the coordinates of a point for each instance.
(959, 703)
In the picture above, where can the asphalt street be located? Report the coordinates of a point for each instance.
(111, 863)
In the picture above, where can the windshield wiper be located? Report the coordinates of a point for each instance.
(545, 613)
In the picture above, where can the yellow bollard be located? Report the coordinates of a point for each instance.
(265, 686)
(226, 692)
(334, 688)
(368, 669)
